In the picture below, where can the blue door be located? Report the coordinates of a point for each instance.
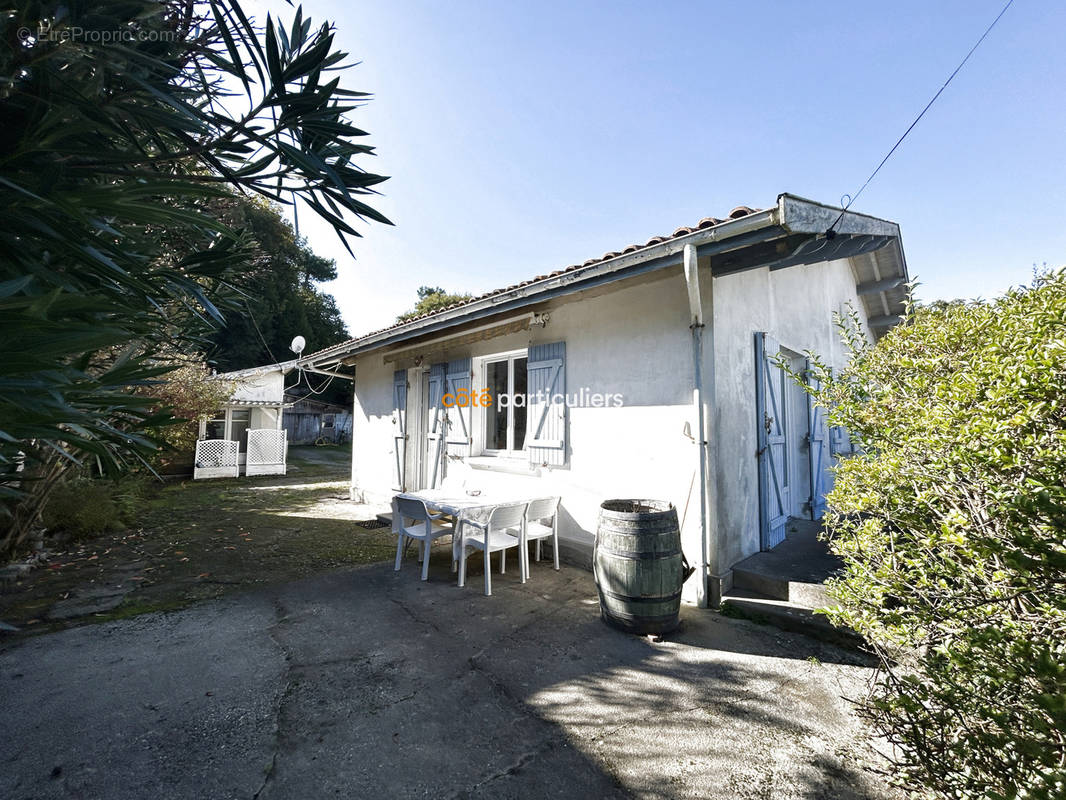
(771, 424)
(433, 456)
(399, 430)
(817, 451)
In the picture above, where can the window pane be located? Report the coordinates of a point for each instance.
(216, 427)
(519, 412)
(495, 416)
(239, 423)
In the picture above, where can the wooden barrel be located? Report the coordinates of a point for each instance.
(638, 565)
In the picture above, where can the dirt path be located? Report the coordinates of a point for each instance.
(201, 539)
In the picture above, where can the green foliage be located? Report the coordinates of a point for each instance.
(430, 299)
(116, 153)
(280, 297)
(952, 526)
(82, 507)
(190, 394)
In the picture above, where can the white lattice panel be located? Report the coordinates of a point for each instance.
(216, 458)
(267, 449)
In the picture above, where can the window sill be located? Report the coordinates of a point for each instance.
(511, 466)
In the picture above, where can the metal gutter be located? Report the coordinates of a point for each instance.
(695, 303)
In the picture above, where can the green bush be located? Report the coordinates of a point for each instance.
(952, 525)
(84, 507)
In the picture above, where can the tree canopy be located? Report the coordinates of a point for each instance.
(279, 298)
(430, 299)
(116, 152)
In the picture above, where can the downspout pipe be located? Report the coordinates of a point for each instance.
(695, 303)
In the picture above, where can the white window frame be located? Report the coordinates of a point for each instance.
(227, 420)
(479, 417)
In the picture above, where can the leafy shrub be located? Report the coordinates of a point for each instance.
(952, 525)
(83, 507)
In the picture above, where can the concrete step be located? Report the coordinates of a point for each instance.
(788, 616)
(801, 593)
(795, 570)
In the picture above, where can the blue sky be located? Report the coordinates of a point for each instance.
(524, 137)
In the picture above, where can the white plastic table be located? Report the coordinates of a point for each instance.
(460, 505)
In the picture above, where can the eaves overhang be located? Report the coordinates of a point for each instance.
(793, 232)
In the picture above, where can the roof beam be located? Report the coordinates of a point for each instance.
(885, 321)
(873, 287)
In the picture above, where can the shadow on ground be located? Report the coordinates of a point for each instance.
(196, 540)
(371, 683)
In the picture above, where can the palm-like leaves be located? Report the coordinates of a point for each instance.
(113, 147)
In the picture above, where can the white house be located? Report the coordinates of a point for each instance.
(246, 434)
(664, 352)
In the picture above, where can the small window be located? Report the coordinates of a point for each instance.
(216, 426)
(329, 420)
(505, 422)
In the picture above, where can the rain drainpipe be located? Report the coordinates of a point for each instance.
(707, 566)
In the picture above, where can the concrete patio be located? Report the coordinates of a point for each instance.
(369, 683)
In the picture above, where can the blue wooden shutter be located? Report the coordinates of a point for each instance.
(434, 453)
(840, 442)
(772, 452)
(458, 417)
(399, 429)
(817, 449)
(545, 419)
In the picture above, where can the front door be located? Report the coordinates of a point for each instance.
(432, 461)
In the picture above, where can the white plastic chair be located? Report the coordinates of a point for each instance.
(502, 532)
(542, 522)
(423, 529)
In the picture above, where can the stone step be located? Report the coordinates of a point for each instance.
(788, 616)
(807, 594)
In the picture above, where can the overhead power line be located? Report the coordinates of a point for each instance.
(851, 199)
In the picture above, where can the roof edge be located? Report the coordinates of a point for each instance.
(724, 230)
(791, 213)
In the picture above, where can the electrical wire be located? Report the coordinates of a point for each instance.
(307, 380)
(851, 199)
(273, 358)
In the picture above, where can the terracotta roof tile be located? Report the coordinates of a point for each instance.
(706, 222)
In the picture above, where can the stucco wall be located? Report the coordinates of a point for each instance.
(796, 305)
(635, 341)
(266, 387)
(264, 417)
